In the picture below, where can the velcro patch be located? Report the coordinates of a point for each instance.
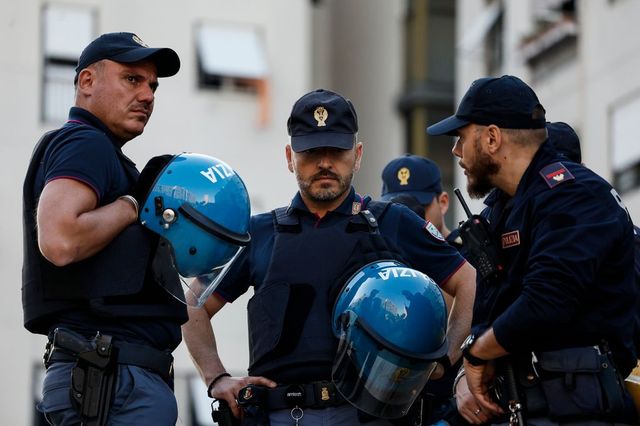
(556, 173)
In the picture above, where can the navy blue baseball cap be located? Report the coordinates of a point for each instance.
(565, 140)
(506, 102)
(411, 175)
(128, 48)
(322, 119)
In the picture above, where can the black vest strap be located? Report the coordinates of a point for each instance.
(284, 221)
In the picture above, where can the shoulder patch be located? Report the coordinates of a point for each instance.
(433, 231)
(556, 173)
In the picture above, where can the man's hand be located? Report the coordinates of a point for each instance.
(467, 405)
(478, 379)
(227, 388)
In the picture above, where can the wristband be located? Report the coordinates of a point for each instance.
(215, 379)
(131, 201)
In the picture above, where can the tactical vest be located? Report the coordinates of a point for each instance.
(114, 271)
(290, 333)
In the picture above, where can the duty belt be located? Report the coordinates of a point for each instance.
(160, 362)
(310, 395)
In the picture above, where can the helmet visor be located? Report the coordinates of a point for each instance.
(375, 380)
(198, 290)
(192, 292)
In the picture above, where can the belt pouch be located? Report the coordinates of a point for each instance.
(570, 382)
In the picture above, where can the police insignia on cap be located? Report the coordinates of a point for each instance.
(433, 231)
(139, 41)
(555, 174)
(321, 115)
(403, 176)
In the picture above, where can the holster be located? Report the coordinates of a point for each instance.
(93, 376)
(222, 414)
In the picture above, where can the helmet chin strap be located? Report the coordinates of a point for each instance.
(214, 228)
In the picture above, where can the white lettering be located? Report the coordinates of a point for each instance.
(226, 170)
(400, 273)
(209, 174)
(219, 171)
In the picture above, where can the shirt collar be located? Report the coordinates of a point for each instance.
(77, 114)
(345, 208)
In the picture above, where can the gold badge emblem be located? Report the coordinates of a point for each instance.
(321, 115)
(324, 394)
(403, 176)
(139, 41)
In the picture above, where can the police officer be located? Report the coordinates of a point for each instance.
(87, 259)
(416, 182)
(564, 301)
(297, 261)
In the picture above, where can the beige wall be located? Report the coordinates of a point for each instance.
(354, 48)
(222, 124)
(605, 72)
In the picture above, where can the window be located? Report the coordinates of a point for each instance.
(625, 156)
(553, 42)
(230, 55)
(65, 32)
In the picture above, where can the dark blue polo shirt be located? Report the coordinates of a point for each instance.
(566, 242)
(85, 150)
(88, 153)
(423, 249)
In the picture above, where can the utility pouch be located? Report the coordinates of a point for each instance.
(93, 376)
(571, 382)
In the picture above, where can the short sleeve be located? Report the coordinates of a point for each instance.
(421, 244)
(85, 155)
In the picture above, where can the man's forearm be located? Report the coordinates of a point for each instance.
(201, 343)
(462, 288)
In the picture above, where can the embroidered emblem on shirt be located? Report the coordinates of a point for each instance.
(403, 176)
(321, 115)
(431, 229)
(356, 207)
(555, 174)
(511, 239)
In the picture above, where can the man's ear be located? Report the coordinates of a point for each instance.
(359, 149)
(495, 138)
(443, 201)
(289, 155)
(86, 78)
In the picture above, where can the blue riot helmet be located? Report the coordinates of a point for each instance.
(200, 208)
(391, 322)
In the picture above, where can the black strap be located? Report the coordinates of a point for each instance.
(314, 395)
(285, 221)
(160, 362)
(214, 228)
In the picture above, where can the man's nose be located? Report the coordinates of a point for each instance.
(146, 94)
(456, 149)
